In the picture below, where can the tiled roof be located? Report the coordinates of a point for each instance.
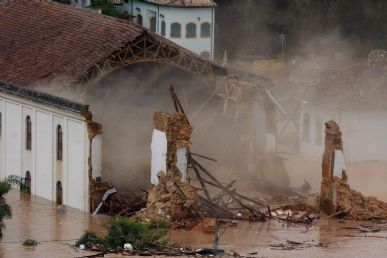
(42, 40)
(183, 3)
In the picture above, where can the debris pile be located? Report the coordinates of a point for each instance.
(170, 200)
(171, 197)
(355, 206)
(337, 198)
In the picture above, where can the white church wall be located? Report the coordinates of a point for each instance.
(363, 131)
(27, 154)
(2, 165)
(13, 140)
(59, 173)
(44, 156)
(41, 160)
(159, 154)
(96, 156)
(182, 163)
(77, 154)
(314, 143)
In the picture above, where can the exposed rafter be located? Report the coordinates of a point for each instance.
(147, 48)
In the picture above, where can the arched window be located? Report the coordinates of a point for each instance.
(163, 27)
(59, 143)
(175, 30)
(153, 24)
(59, 193)
(190, 30)
(205, 30)
(305, 127)
(28, 182)
(205, 55)
(318, 136)
(139, 19)
(28, 133)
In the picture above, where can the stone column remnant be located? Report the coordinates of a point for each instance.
(178, 132)
(330, 183)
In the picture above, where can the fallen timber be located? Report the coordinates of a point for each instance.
(226, 203)
(216, 206)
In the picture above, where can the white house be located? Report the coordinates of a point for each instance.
(189, 23)
(45, 140)
(80, 3)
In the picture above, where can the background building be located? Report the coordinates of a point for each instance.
(189, 23)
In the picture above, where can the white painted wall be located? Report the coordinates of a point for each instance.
(180, 15)
(27, 154)
(44, 170)
(77, 182)
(41, 159)
(13, 138)
(310, 146)
(364, 132)
(96, 156)
(2, 146)
(182, 163)
(159, 155)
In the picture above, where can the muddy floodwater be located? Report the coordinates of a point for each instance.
(39, 219)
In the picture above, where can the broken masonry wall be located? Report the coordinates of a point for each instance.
(333, 156)
(336, 195)
(171, 197)
(170, 142)
(97, 187)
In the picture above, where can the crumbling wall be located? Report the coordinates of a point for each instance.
(177, 131)
(336, 195)
(171, 197)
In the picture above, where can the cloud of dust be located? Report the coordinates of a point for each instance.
(124, 103)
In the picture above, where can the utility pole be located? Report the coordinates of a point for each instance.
(217, 235)
(282, 38)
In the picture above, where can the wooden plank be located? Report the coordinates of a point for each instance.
(219, 185)
(199, 176)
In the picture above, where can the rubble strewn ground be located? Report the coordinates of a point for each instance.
(355, 206)
(175, 200)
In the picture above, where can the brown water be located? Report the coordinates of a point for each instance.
(38, 219)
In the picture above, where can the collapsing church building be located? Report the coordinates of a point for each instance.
(123, 72)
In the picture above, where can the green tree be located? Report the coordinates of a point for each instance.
(253, 26)
(107, 7)
(5, 209)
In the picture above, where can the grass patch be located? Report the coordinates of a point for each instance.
(143, 236)
(30, 242)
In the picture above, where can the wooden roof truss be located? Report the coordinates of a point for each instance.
(147, 48)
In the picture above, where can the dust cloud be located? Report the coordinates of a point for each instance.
(124, 103)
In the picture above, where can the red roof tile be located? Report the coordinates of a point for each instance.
(42, 40)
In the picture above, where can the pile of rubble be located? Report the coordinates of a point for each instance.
(353, 205)
(175, 202)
